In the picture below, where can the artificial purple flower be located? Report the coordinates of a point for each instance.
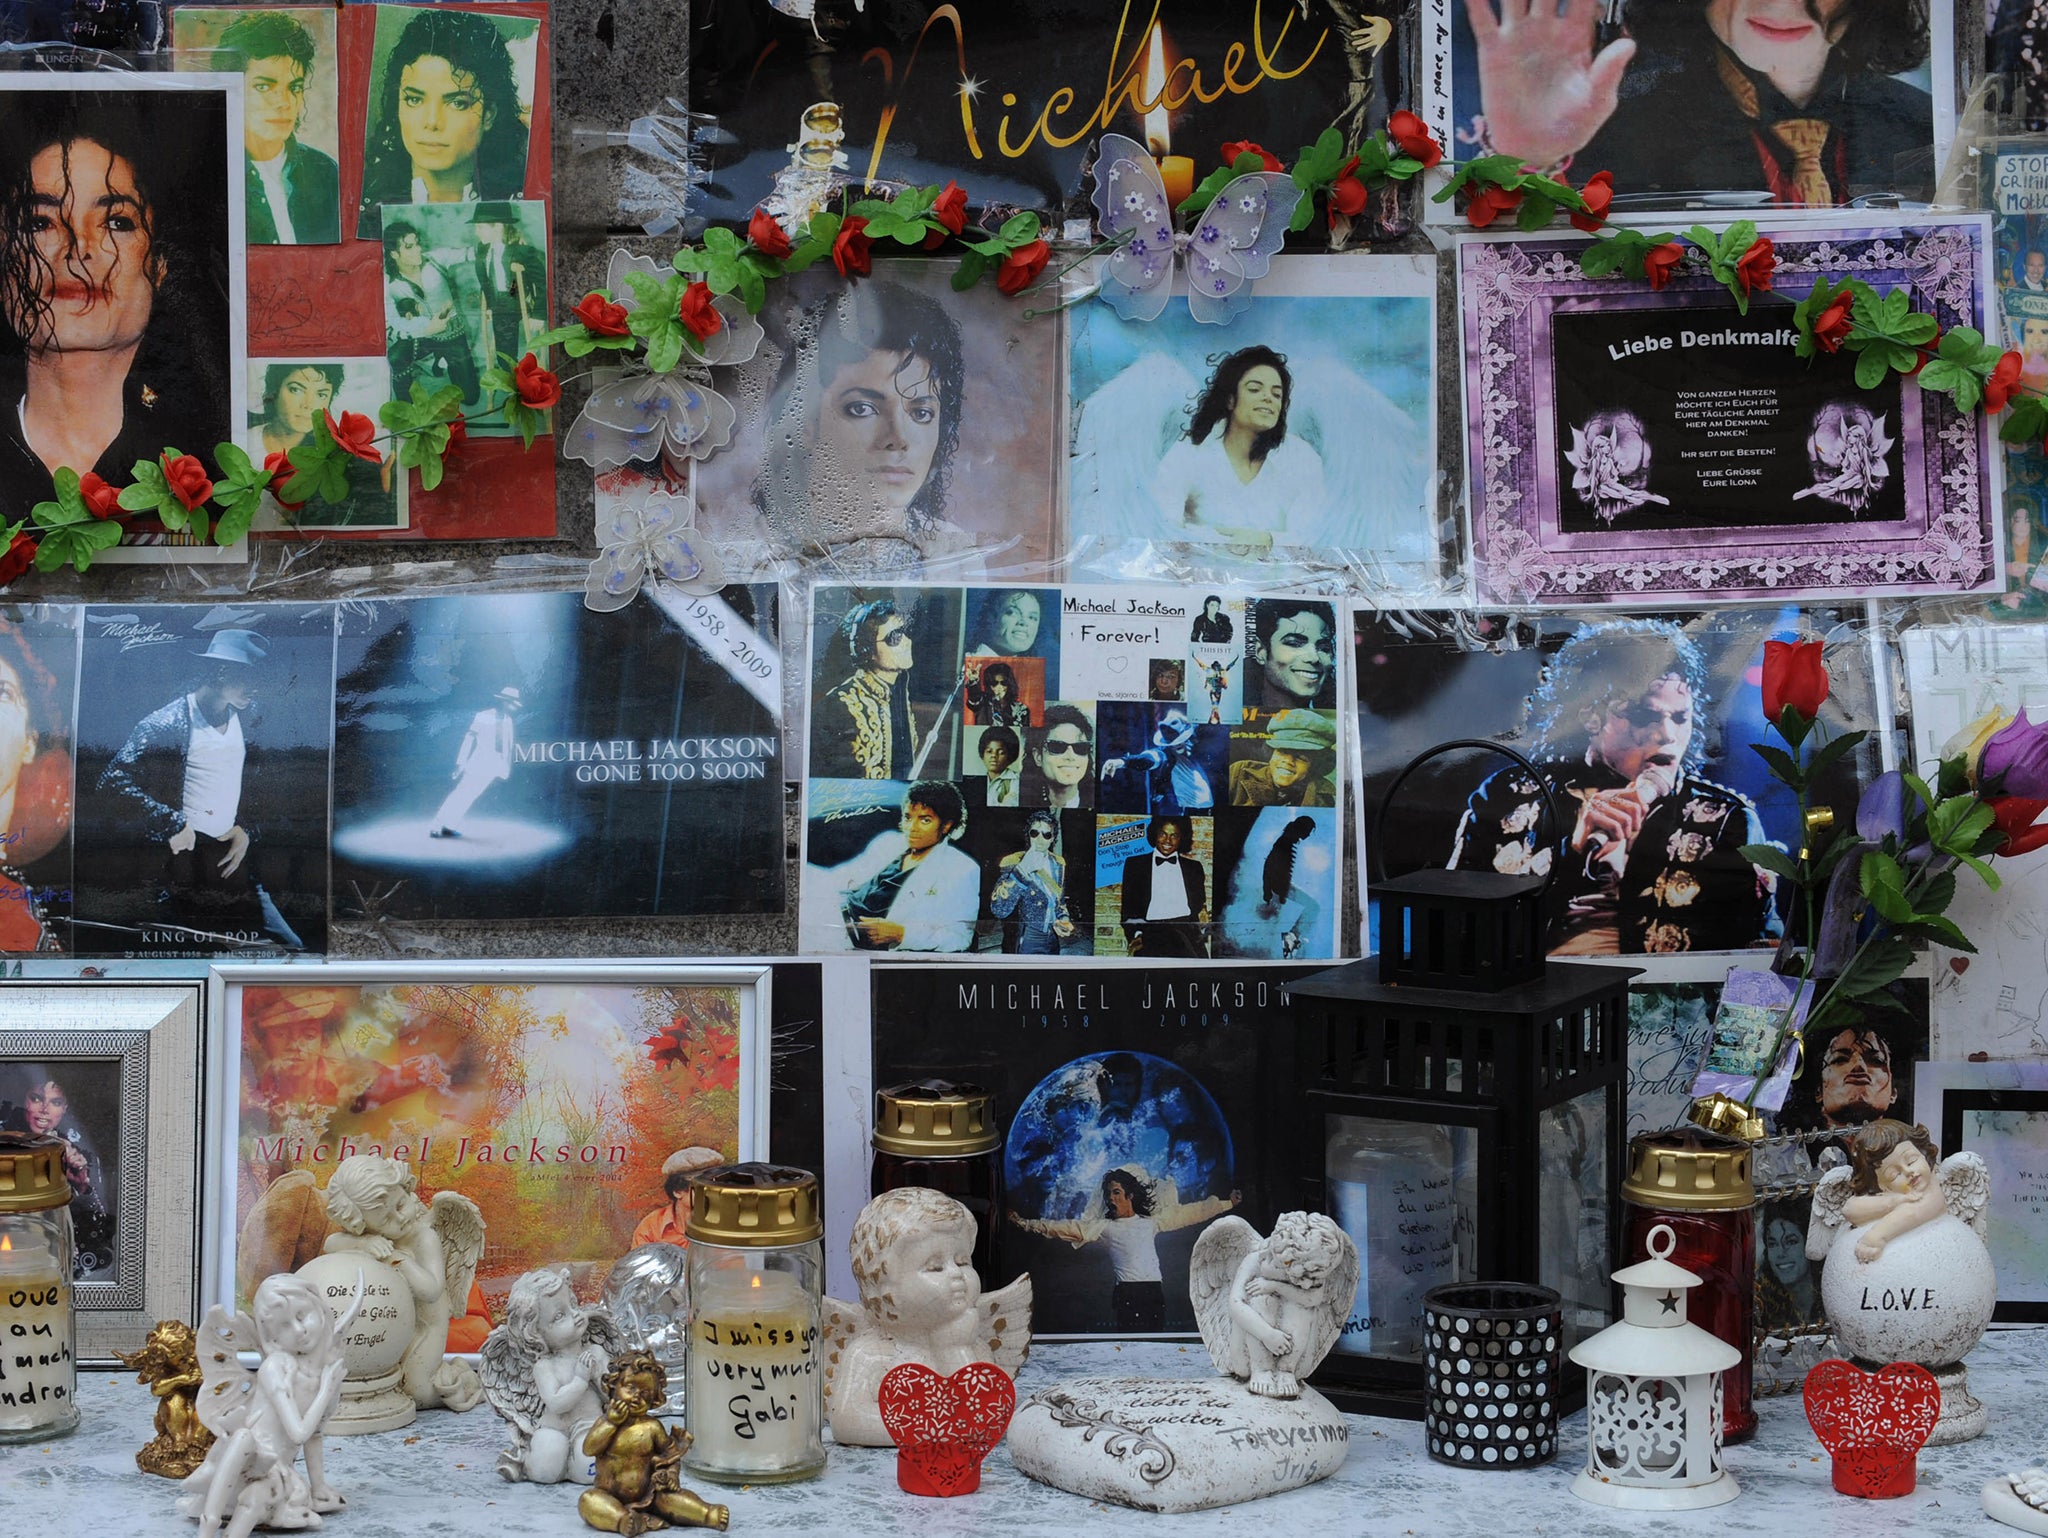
(2016, 759)
(1882, 809)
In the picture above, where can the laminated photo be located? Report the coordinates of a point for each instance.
(1644, 787)
(289, 60)
(898, 430)
(140, 349)
(38, 682)
(1137, 1105)
(2014, 180)
(287, 396)
(1053, 772)
(520, 756)
(1009, 100)
(1637, 446)
(203, 766)
(451, 97)
(1763, 103)
(1302, 432)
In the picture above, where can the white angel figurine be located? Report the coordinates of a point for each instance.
(261, 1419)
(920, 1301)
(1907, 1278)
(1270, 1309)
(543, 1370)
(372, 1204)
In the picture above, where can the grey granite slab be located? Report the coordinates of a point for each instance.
(436, 1478)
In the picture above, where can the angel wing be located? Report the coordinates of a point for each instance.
(1211, 1269)
(1125, 428)
(460, 1224)
(1830, 1197)
(1966, 1188)
(842, 1322)
(226, 1385)
(506, 1367)
(1006, 1325)
(1340, 1291)
(1377, 467)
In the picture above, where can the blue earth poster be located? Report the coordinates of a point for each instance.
(1138, 1103)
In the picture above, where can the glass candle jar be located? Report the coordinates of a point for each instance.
(944, 1137)
(1699, 1183)
(755, 1406)
(38, 1369)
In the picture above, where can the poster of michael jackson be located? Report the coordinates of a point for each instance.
(518, 756)
(203, 736)
(1638, 729)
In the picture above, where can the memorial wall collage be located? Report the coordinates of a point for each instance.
(712, 714)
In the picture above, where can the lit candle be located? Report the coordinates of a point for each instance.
(38, 1374)
(754, 1401)
(1177, 171)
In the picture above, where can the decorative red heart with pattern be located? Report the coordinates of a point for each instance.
(1873, 1424)
(944, 1427)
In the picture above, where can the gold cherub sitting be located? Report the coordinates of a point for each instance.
(636, 1488)
(169, 1363)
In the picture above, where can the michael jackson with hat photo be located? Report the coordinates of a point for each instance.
(179, 779)
(1301, 755)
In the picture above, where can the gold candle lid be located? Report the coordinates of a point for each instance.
(933, 1119)
(755, 1205)
(32, 1173)
(1688, 1168)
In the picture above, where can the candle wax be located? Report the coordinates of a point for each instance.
(38, 1377)
(755, 1401)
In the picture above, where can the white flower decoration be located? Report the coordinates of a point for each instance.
(633, 414)
(649, 533)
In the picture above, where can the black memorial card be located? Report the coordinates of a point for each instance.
(517, 755)
(1703, 419)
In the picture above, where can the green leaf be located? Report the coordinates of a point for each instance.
(1830, 752)
(1317, 163)
(1879, 964)
(1885, 885)
(1205, 194)
(1021, 229)
(1783, 766)
(664, 351)
(1941, 931)
(1991, 878)
(1486, 171)
(1871, 368)
(1937, 893)
(236, 467)
(1537, 210)
(235, 518)
(973, 265)
(1772, 859)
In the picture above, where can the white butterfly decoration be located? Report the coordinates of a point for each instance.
(1230, 245)
(649, 532)
(632, 415)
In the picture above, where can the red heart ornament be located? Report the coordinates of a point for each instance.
(1873, 1424)
(944, 1427)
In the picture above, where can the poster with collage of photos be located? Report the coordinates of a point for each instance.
(1077, 771)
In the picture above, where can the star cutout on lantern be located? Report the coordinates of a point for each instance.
(669, 1046)
(1670, 1302)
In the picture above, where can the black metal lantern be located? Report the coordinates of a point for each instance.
(1475, 1131)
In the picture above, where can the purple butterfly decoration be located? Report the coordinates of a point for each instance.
(1232, 244)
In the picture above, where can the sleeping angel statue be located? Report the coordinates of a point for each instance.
(1265, 453)
(1270, 1309)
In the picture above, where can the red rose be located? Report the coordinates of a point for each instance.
(766, 236)
(20, 552)
(1022, 266)
(2005, 379)
(600, 316)
(1238, 147)
(187, 479)
(1347, 192)
(951, 211)
(1831, 326)
(1794, 675)
(536, 388)
(1660, 262)
(699, 317)
(1489, 203)
(355, 434)
(1756, 265)
(850, 249)
(279, 465)
(458, 434)
(1411, 135)
(1599, 195)
(2011, 815)
(101, 500)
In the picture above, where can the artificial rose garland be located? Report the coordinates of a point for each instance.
(601, 317)
(696, 313)
(187, 478)
(536, 388)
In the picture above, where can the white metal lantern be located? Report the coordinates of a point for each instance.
(1653, 1396)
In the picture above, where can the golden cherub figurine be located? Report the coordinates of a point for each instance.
(169, 1363)
(636, 1488)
